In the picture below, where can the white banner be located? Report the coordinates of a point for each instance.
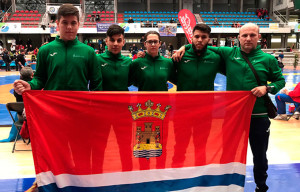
(10, 27)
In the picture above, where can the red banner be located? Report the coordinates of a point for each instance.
(188, 22)
(104, 141)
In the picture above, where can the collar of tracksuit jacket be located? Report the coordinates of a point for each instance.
(67, 43)
(253, 52)
(109, 54)
(149, 57)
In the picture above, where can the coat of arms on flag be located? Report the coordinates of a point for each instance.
(148, 131)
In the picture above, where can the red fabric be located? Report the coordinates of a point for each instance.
(295, 94)
(95, 132)
(24, 131)
(188, 22)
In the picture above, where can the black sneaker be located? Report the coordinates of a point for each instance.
(261, 189)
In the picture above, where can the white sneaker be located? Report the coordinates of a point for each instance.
(296, 115)
(281, 117)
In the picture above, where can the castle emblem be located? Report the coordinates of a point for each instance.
(148, 132)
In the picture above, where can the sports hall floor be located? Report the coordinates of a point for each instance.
(17, 170)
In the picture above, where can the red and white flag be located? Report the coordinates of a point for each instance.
(188, 22)
(130, 142)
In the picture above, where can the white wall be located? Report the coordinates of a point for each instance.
(283, 6)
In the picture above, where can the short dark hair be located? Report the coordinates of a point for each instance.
(67, 10)
(22, 50)
(114, 30)
(152, 32)
(203, 28)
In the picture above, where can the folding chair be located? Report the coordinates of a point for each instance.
(17, 107)
(288, 118)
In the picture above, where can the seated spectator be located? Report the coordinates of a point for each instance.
(267, 18)
(281, 56)
(273, 53)
(97, 18)
(290, 97)
(130, 20)
(216, 22)
(26, 74)
(147, 24)
(238, 25)
(93, 18)
(233, 25)
(172, 20)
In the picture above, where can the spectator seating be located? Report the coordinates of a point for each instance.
(104, 17)
(28, 18)
(226, 19)
(155, 16)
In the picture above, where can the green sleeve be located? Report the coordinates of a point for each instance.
(175, 66)
(130, 80)
(187, 47)
(94, 73)
(40, 76)
(275, 76)
(133, 73)
(172, 77)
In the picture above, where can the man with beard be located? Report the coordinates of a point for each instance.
(197, 69)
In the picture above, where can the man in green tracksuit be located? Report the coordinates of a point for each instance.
(197, 69)
(152, 72)
(240, 77)
(115, 72)
(114, 66)
(65, 63)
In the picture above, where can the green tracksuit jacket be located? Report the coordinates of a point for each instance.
(152, 74)
(240, 77)
(197, 73)
(68, 65)
(115, 71)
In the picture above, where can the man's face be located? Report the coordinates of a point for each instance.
(200, 40)
(248, 38)
(152, 44)
(68, 27)
(115, 43)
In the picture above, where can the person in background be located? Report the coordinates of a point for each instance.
(26, 74)
(130, 20)
(163, 49)
(216, 22)
(7, 60)
(171, 48)
(290, 97)
(281, 56)
(20, 60)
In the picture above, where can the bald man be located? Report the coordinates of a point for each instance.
(240, 77)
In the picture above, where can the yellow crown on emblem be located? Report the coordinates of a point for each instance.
(148, 112)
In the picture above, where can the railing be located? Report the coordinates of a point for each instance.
(5, 16)
(282, 19)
